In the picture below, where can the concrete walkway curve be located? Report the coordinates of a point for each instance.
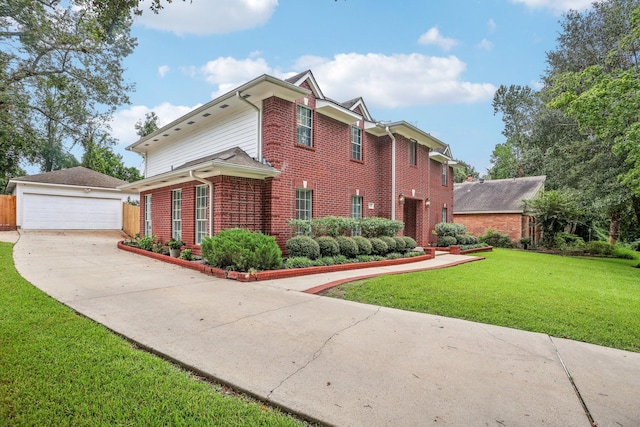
(337, 362)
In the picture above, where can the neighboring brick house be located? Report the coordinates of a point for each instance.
(498, 204)
(273, 150)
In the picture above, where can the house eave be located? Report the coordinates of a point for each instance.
(14, 182)
(337, 112)
(407, 130)
(203, 170)
(259, 89)
(488, 212)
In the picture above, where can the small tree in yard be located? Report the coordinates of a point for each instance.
(554, 211)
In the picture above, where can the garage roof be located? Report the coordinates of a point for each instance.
(495, 196)
(79, 176)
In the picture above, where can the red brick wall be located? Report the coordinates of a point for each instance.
(511, 224)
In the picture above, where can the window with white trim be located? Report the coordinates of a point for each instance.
(305, 126)
(445, 168)
(444, 214)
(356, 212)
(356, 143)
(413, 152)
(303, 206)
(147, 215)
(202, 202)
(176, 214)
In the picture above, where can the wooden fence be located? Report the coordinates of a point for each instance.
(7, 212)
(130, 219)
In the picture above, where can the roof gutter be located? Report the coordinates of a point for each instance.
(210, 185)
(242, 98)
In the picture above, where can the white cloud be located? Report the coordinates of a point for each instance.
(394, 81)
(558, 6)
(492, 25)
(163, 70)
(433, 36)
(208, 16)
(485, 45)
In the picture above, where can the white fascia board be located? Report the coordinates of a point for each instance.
(47, 184)
(204, 170)
(407, 130)
(314, 84)
(337, 112)
(259, 88)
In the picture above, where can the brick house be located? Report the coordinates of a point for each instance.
(272, 150)
(498, 204)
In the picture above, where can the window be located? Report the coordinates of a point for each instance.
(176, 214)
(304, 126)
(147, 215)
(413, 152)
(356, 143)
(444, 214)
(356, 212)
(445, 167)
(202, 201)
(303, 206)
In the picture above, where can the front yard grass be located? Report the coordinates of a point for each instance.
(58, 368)
(595, 300)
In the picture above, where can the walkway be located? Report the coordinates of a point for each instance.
(335, 361)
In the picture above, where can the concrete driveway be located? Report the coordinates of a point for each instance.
(334, 361)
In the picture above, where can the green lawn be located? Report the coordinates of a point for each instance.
(584, 299)
(60, 369)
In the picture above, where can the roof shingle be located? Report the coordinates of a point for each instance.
(500, 195)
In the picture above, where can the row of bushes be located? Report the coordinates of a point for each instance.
(300, 262)
(350, 247)
(334, 226)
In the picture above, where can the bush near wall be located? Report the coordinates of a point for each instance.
(453, 234)
(343, 226)
(242, 250)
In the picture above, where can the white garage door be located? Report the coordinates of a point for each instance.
(47, 212)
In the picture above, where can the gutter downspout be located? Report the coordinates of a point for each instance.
(259, 123)
(210, 184)
(393, 172)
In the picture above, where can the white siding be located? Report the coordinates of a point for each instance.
(238, 129)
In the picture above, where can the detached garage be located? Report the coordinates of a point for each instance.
(69, 199)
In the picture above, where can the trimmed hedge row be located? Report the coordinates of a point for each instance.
(334, 226)
(349, 247)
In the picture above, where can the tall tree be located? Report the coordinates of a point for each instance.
(601, 92)
(99, 156)
(61, 70)
(148, 126)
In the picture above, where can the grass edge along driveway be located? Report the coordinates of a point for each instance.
(59, 368)
(595, 300)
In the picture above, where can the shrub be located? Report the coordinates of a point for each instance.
(328, 246)
(147, 242)
(597, 247)
(409, 243)
(340, 259)
(377, 227)
(327, 260)
(332, 226)
(391, 243)
(242, 249)
(394, 255)
(400, 243)
(449, 229)
(496, 239)
(364, 258)
(186, 255)
(446, 241)
(364, 245)
(298, 262)
(378, 247)
(348, 247)
(624, 253)
(303, 246)
(466, 239)
(635, 245)
(565, 241)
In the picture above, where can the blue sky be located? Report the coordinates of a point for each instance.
(434, 64)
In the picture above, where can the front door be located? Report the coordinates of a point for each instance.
(409, 215)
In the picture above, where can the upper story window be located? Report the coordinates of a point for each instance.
(356, 143)
(413, 152)
(445, 168)
(305, 126)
